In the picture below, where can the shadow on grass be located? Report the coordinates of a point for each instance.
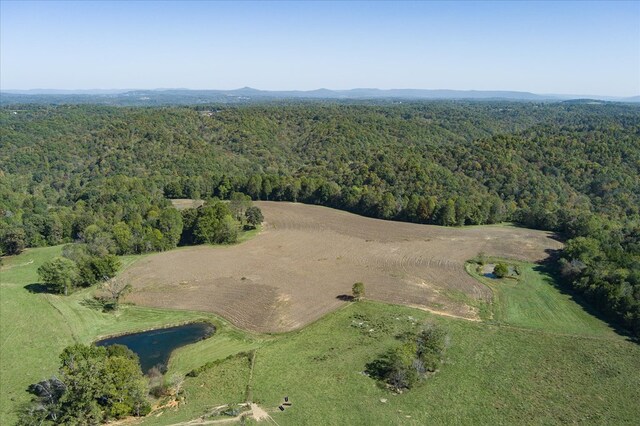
(39, 288)
(94, 304)
(345, 297)
(551, 274)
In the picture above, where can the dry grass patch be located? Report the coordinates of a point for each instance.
(307, 256)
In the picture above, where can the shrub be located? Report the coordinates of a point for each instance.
(501, 270)
(358, 291)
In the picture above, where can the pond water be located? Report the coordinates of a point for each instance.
(155, 346)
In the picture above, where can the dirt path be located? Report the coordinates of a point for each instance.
(256, 412)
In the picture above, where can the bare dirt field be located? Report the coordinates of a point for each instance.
(307, 256)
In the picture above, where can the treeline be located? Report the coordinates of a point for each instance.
(102, 175)
(602, 262)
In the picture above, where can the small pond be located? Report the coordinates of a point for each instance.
(155, 346)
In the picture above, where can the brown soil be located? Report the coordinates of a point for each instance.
(307, 256)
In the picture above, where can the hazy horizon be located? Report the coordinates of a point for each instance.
(560, 48)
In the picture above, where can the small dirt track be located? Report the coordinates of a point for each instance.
(306, 256)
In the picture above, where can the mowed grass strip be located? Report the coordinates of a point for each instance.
(535, 300)
(36, 327)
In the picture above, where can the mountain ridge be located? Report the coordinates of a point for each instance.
(244, 94)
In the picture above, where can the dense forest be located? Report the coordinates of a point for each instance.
(103, 175)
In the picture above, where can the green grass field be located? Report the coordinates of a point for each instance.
(539, 359)
(534, 301)
(35, 327)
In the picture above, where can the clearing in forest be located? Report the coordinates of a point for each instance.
(307, 257)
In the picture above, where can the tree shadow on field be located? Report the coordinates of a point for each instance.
(345, 297)
(556, 236)
(37, 288)
(550, 270)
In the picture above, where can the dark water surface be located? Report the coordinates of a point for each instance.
(155, 346)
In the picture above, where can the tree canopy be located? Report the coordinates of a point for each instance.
(102, 175)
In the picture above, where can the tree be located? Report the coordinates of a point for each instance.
(122, 237)
(401, 367)
(101, 384)
(448, 213)
(431, 344)
(94, 384)
(46, 402)
(14, 241)
(501, 270)
(254, 216)
(59, 274)
(238, 204)
(170, 224)
(95, 269)
(215, 225)
(358, 291)
(112, 291)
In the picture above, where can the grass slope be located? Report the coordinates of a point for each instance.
(35, 327)
(535, 301)
(493, 374)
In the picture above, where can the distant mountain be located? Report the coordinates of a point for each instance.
(67, 91)
(248, 95)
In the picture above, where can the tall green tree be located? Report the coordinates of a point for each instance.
(60, 274)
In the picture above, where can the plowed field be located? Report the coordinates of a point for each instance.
(307, 256)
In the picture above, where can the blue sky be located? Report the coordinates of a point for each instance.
(541, 47)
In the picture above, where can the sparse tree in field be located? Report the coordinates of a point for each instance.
(403, 366)
(501, 270)
(431, 344)
(59, 273)
(113, 290)
(254, 216)
(358, 291)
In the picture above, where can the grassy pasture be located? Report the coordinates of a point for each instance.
(535, 301)
(493, 375)
(35, 327)
(540, 359)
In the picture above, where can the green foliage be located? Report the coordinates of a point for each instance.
(254, 216)
(501, 270)
(95, 384)
(401, 367)
(102, 174)
(60, 274)
(492, 375)
(95, 269)
(358, 291)
(35, 328)
(13, 241)
(211, 224)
